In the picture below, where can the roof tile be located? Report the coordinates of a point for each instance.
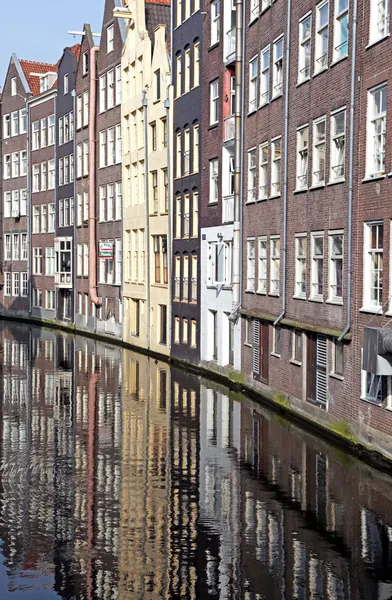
(30, 66)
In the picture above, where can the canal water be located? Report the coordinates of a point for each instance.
(124, 479)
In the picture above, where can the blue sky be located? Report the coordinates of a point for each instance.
(38, 29)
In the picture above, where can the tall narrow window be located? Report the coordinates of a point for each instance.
(178, 75)
(178, 154)
(252, 175)
(379, 19)
(102, 93)
(195, 153)
(214, 176)
(262, 266)
(186, 152)
(373, 265)
(322, 32)
(214, 102)
(302, 157)
(177, 280)
(263, 173)
(376, 131)
(250, 265)
(110, 100)
(178, 217)
(185, 227)
(185, 279)
(338, 145)
(195, 214)
(178, 12)
(110, 38)
(305, 33)
(275, 266)
(215, 21)
(317, 269)
(278, 68)
(275, 168)
(253, 76)
(335, 245)
(319, 152)
(187, 68)
(194, 278)
(196, 64)
(300, 266)
(340, 30)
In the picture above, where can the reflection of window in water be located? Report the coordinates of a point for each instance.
(295, 485)
(256, 444)
(315, 579)
(211, 573)
(376, 540)
(212, 417)
(321, 488)
(210, 485)
(337, 517)
(249, 516)
(299, 570)
(225, 497)
(273, 543)
(162, 391)
(261, 531)
(335, 587)
(275, 469)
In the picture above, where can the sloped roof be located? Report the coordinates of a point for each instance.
(76, 50)
(30, 66)
(157, 13)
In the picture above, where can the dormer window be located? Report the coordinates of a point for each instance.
(110, 38)
(44, 83)
(85, 63)
(13, 86)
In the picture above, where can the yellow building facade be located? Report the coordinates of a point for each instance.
(146, 120)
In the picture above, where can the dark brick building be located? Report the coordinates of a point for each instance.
(65, 185)
(187, 72)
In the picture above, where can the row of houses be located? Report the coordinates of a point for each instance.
(211, 182)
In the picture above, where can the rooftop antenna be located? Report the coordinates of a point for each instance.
(75, 33)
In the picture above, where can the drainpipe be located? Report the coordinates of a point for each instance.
(285, 162)
(169, 214)
(73, 261)
(237, 158)
(29, 211)
(55, 195)
(92, 251)
(147, 199)
(351, 170)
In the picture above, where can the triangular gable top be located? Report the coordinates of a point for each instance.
(121, 22)
(15, 60)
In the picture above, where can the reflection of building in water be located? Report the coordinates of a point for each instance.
(185, 390)
(145, 519)
(220, 509)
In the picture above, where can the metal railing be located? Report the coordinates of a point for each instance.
(230, 35)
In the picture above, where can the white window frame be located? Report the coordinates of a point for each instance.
(300, 265)
(379, 20)
(263, 170)
(340, 30)
(110, 38)
(373, 300)
(265, 73)
(262, 246)
(333, 257)
(277, 67)
(276, 159)
(305, 48)
(317, 258)
(319, 151)
(215, 21)
(376, 132)
(214, 181)
(214, 102)
(250, 264)
(302, 157)
(253, 83)
(321, 32)
(338, 146)
(274, 265)
(252, 165)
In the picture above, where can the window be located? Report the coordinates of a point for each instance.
(164, 133)
(196, 64)
(275, 266)
(265, 76)
(341, 30)
(102, 149)
(163, 324)
(276, 340)
(338, 145)
(118, 85)
(185, 279)
(79, 260)
(373, 265)
(176, 330)
(85, 158)
(177, 279)
(335, 243)
(49, 261)
(7, 166)
(51, 218)
(317, 268)
(65, 83)
(50, 299)
(36, 219)
(184, 331)
(254, 9)
(305, 32)
(15, 246)
(179, 12)
(15, 123)
(376, 131)
(37, 298)
(262, 266)
(195, 153)
(102, 203)
(194, 278)
(7, 246)
(215, 21)
(43, 177)
(23, 202)
(15, 284)
(278, 68)
(251, 264)
(14, 89)
(219, 268)
(44, 138)
(15, 203)
(214, 175)
(110, 39)
(35, 178)
(302, 157)
(7, 205)
(186, 152)
(7, 287)
(178, 75)
(110, 99)
(22, 120)
(193, 333)
(379, 20)
(248, 331)
(300, 266)
(275, 168)
(23, 163)
(85, 260)
(51, 130)
(118, 201)
(319, 152)
(252, 175)
(51, 175)
(23, 246)
(37, 261)
(43, 218)
(214, 102)
(297, 346)
(338, 358)
(79, 161)
(102, 93)
(111, 155)
(23, 284)
(15, 164)
(79, 112)
(187, 74)
(85, 109)
(253, 83)
(154, 188)
(321, 50)
(6, 126)
(153, 135)
(35, 135)
(195, 214)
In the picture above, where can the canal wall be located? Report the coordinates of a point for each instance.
(371, 446)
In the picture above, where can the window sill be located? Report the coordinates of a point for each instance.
(274, 196)
(317, 73)
(299, 297)
(262, 199)
(375, 42)
(336, 181)
(214, 203)
(273, 294)
(277, 96)
(299, 83)
(373, 178)
(297, 363)
(275, 354)
(372, 310)
(301, 190)
(253, 21)
(213, 46)
(316, 299)
(250, 292)
(372, 402)
(317, 186)
(213, 126)
(252, 112)
(250, 202)
(335, 376)
(261, 293)
(338, 60)
(334, 302)
(264, 104)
